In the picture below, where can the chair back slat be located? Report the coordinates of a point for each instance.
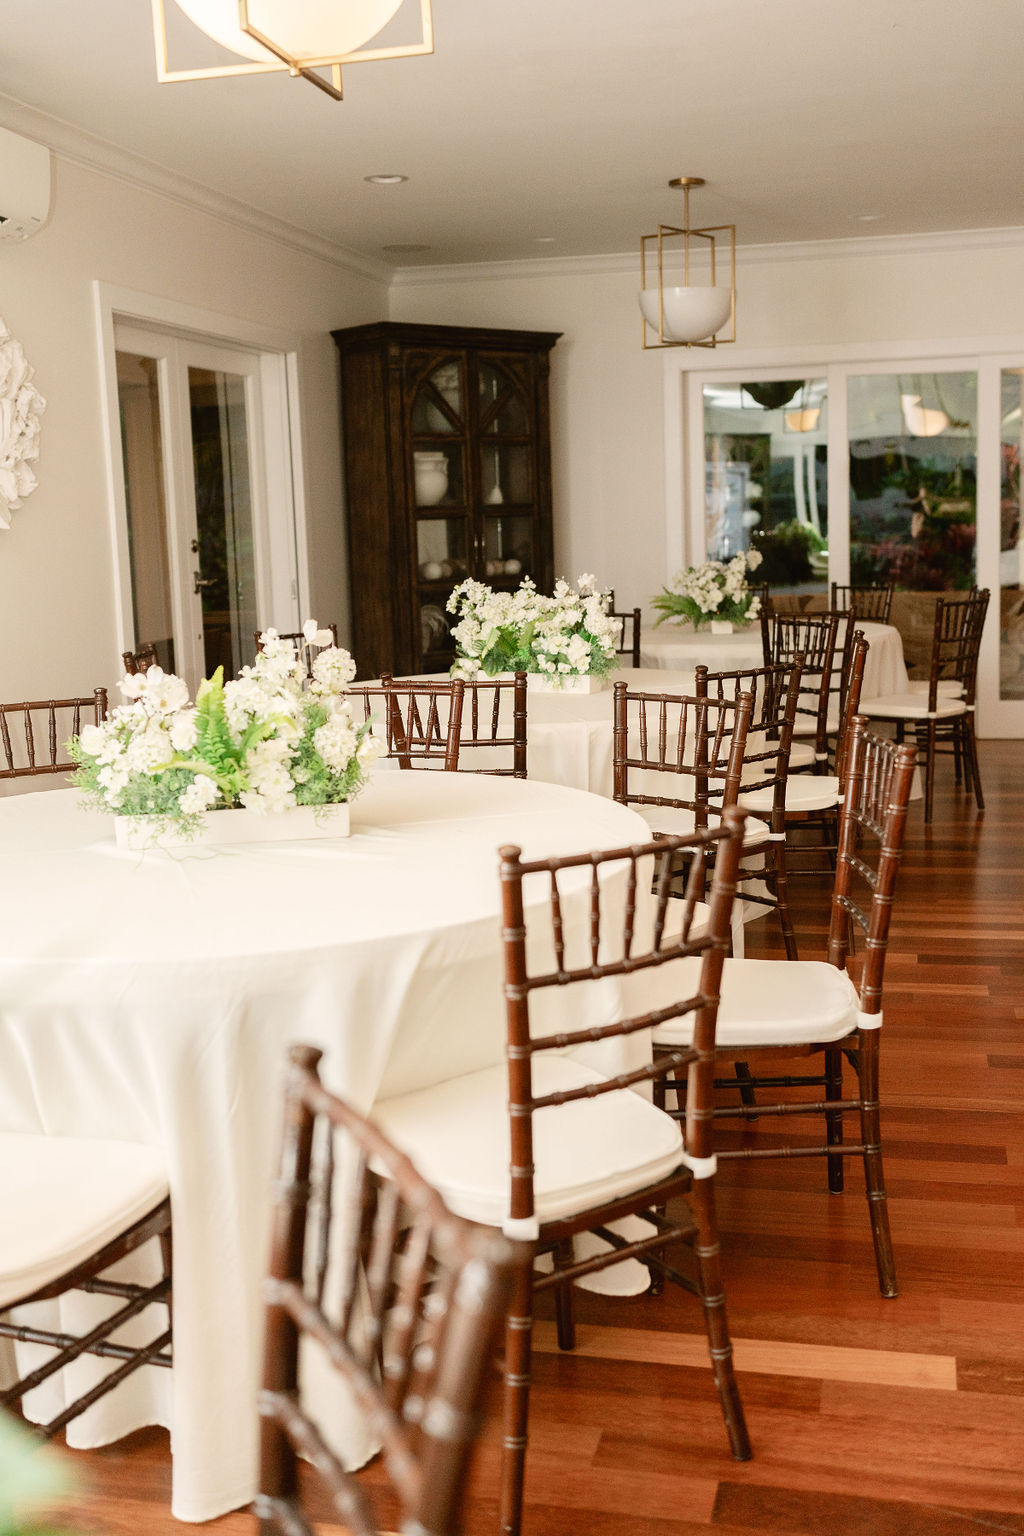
(956, 643)
(43, 726)
(872, 601)
(497, 725)
(420, 733)
(414, 1348)
(693, 745)
(872, 820)
(823, 641)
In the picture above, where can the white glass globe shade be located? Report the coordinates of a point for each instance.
(688, 314)
(306, 29)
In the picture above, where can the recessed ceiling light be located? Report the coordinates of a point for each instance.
(386, 179)
(545, 239)
(404, 250)
(867, 218)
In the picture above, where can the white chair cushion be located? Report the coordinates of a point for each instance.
(909, 706)
(585, 1153)
(772, 1002)
(63, 1198)
(949, 688)
(801, 755)
(679, 823)
(805, 792)
(806, 725)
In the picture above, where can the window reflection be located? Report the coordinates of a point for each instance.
(913, 479)
(766, 478)
(1011, 536)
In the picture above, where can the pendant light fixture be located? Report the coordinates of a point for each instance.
(300, 36)
(683, 298)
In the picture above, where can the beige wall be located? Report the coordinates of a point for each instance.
(608, 395)
(56, 578)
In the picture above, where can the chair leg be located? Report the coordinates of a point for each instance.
(929, 772)
(874, 1177)
(745, 1081)
(565, 1320)
(833, 1118)
(971, 756)
(713, 1301)
(779, 885)
(518, 1340)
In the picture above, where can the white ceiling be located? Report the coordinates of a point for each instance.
(551, 127)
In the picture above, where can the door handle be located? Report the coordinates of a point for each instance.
(200, 583)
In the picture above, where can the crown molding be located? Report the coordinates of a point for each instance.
(616, 264)
(95, 154)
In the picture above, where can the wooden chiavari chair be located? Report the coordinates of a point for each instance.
(32, 734)
(494, 721)
(774, 1009)
(422, 721)
(822, 639)
(943, 722)
(774, 692)
(871, 602)
(586, 1151)
(401, 1298)
(72, 1209)
(140, 660)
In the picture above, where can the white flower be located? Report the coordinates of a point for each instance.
(336, 741)
(333, 669)
(200, 793)
(92, 739)
(183, 731)
(149, 750)
(314, 636)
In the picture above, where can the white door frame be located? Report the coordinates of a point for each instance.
(685, 375)
(283, 554)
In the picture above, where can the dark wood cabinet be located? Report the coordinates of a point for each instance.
(447, 475)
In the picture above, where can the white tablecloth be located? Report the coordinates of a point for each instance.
(152, 998)
(679, 648)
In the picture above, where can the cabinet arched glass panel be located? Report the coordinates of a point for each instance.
(438, 404)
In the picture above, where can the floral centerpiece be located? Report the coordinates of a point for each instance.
(562, 638)
(265, 742)
(716, 590)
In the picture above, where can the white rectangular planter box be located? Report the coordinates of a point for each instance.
(555, 682)
(237, 826)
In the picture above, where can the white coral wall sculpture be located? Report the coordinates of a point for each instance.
(21, 406)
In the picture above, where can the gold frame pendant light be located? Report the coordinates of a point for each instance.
(300, 36)
(687, 314)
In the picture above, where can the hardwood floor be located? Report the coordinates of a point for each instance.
(891, 1417)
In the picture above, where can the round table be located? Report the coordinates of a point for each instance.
(680, 649)
(152, 998)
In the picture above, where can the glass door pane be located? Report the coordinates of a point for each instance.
(766, 478)
(1011, 535)
(144, 471)
(913, 479)
(225, 575)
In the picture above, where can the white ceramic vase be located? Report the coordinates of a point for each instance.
(236, 826)
(430, 471)
(560, 682)
(721, 626)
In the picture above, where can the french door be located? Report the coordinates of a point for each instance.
(207, 562)
(873, 469)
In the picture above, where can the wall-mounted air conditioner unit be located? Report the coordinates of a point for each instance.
(24, 186)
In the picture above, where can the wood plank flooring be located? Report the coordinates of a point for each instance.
(869, 1417)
